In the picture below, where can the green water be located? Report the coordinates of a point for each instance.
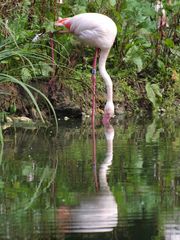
(91, 185)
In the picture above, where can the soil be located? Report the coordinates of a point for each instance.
(14, 99)
(10, 96)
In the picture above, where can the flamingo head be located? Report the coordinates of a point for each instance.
(108, 112)
(63, 22)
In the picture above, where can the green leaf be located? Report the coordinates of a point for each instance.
(134, 55)
(45, 69)
(175, 52)
(5, 62)
(1, 184)
(27, 170)
(25, 74)
(153, 132)
(169, 43)
(144, 31)
(156, 90)
(12, 108)
(49, 26)
(113, 2)
(139, 63)
(150, 94)
(150, 132)
(153, 93)
(161, 65)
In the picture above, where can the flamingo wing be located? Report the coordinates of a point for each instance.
(91, 37)
(95, 29)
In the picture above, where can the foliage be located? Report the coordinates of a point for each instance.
(142, 50)
(20, 63)
(153, 94)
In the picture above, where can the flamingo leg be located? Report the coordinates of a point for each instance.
(93, 78)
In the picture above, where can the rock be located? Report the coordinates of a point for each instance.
(66, 118)
(22, 119)
(9, 120)
(6, 125)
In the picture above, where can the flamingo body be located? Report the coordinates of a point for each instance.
(95, 29)
(99, 31)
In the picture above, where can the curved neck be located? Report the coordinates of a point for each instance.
(109, 134)
(102, 69)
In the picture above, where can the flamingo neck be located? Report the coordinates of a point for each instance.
(103, 171)
(102, 69)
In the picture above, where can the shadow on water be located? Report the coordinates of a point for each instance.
(82, 185)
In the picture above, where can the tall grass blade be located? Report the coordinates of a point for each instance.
(47, 100)
(8, 78)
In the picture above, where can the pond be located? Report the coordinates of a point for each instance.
(119, 182)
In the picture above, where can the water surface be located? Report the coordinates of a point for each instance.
(120, 182)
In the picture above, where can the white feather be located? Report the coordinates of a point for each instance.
(99, 31)
(95, 29)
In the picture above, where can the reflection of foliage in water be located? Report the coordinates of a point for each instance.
(145, 61)
(148, 169)
(41, 173)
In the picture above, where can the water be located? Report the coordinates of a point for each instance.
(122, 182)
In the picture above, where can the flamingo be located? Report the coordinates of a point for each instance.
(97, 212)
(99, 31)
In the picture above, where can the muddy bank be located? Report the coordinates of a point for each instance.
(15, 101)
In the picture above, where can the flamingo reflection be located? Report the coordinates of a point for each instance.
(98, 212)
(172, 227)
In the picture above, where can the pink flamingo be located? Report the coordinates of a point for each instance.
(98, 31)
